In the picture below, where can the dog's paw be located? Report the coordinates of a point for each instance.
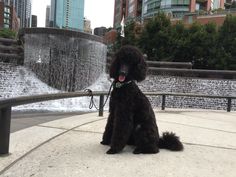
(111, 151)
(104, 143)
(146, 151)
(137, 151)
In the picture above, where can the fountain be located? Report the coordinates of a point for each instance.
(71, 61)
(66, 60)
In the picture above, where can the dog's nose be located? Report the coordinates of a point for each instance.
(124, 70)
(123, 73)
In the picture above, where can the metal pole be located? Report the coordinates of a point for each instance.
(163, 103)
(101, 102)
(229, 104)
(5, 122)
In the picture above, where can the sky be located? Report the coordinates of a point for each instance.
(99, 12)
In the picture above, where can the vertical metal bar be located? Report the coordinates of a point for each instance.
(163, 103)
(229, 104)
(5, 123)
(101, 102)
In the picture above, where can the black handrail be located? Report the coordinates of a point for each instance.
(10, 102)
(7, 104)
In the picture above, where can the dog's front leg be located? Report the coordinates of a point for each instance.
(122, 129)
(106, 139)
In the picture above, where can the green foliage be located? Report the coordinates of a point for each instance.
(118, 42)
(202, 45)
(6, 33)
(233, 5)
(206, 46)
(227, 42)
(129, 34)
(155, 38)
(179, 43)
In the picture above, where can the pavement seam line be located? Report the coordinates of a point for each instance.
(45, 126)
(210, 146)
(187, 125)
(84, 131)
(59, 128)
(40, 145)
(198, 117)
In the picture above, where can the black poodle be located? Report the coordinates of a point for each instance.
(132, 120)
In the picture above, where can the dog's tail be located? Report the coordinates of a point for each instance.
(170, 141)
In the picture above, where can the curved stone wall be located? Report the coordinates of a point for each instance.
(177, 84)
(66, 60)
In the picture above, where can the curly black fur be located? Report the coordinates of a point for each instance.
(132, 120)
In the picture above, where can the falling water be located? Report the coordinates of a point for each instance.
(67, 61)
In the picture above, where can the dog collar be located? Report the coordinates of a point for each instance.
(121, 84)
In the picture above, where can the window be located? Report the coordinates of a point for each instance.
(186, 2)
(174, 1)
(6, 9)
(6, 15)
(145, 9)
(6, 21)
(6, 25)
(190, 19)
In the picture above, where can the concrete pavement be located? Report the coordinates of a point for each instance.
(22, 120)
(70, 147)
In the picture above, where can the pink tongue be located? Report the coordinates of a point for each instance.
(121, 78)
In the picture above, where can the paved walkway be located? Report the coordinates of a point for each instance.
(70, 147)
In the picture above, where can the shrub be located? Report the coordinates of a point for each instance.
(6, 33)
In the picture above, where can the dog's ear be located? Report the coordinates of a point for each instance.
(140, 71)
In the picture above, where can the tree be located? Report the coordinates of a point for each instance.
(179, 43)
(233, 5)
(130, 34)
(227, 43)
(200, 45)
(155, 38)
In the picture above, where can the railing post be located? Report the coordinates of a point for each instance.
(5, 122)
(101, 102)
(229, 104)
(163, 103)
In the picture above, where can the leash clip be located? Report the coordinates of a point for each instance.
(118, 85)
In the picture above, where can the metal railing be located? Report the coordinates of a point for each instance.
(7, 104)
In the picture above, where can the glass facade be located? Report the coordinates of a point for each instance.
(117, 13)
(177, 8)
(7, 16)
(68, 14)
(23, 10)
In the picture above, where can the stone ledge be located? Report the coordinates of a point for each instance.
(64, 32)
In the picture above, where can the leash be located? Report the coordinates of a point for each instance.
(92, 104)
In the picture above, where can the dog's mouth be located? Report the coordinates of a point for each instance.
(123, 72)
(121, 78)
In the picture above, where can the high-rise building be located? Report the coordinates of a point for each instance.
(87, 26)
(67, 14)
(47, 20)
(23, 11)
(177, 8)
(136, 9)
(100, 31)
(8, 18)
(174, 8)
(34, 21)
(130, 9)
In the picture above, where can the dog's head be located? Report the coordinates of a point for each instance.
(128, 64)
